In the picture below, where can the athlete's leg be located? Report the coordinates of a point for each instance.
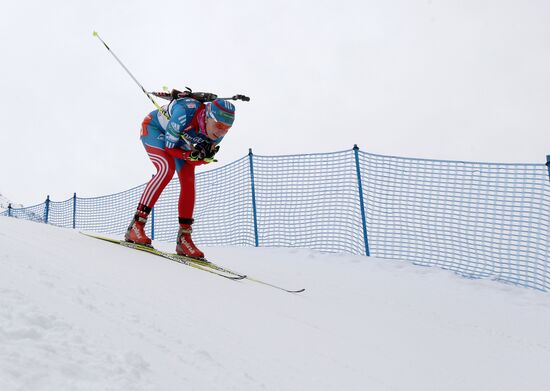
(165, 166)
(186, 175)
(186, 204)
(153, 142)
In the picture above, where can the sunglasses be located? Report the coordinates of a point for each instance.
(218, 128)
(220, 125)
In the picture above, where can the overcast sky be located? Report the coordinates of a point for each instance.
(459, 80)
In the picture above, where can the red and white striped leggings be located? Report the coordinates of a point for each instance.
(166, 165)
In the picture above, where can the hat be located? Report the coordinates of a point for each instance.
(221, 111)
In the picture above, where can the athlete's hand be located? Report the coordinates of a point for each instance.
(204, 150)
(213, 151)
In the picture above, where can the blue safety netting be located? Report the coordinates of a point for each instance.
(481, 220)
(478, 219)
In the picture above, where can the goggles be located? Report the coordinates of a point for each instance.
(216, 128)
(220, 125)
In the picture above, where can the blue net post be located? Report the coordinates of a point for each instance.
(74, 210)
(251, 160)
(9, 210)
(47, 210)
(361, 200)
(153, 224)
(548, 165)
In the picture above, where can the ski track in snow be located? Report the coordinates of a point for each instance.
(81, 314)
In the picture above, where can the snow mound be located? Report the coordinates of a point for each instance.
(81, 314)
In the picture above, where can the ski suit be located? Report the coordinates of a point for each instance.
(167, 144)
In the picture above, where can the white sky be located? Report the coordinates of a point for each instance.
(461, 80)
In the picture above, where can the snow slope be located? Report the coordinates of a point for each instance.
(81, 314)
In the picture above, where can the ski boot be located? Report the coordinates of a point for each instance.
(185, 245)
(136, 230)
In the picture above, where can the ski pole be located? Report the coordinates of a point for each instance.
(95, 34)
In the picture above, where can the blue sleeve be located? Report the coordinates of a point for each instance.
(178, 121)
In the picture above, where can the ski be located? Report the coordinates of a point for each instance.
(206, 263)
(212, 265)
(173, 257)
(202, 264)
(275, 286)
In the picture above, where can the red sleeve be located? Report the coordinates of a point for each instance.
(178, 153)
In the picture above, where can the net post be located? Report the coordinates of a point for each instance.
(361, 200)
(74, 211)
(548, 165)
(251, 161)
(47, 210)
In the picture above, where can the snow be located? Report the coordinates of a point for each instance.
(81, 314)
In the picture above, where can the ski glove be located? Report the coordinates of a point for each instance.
(210, 155)
(204, 151)
(199, 156)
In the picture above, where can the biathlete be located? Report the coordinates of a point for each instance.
(189, 138)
